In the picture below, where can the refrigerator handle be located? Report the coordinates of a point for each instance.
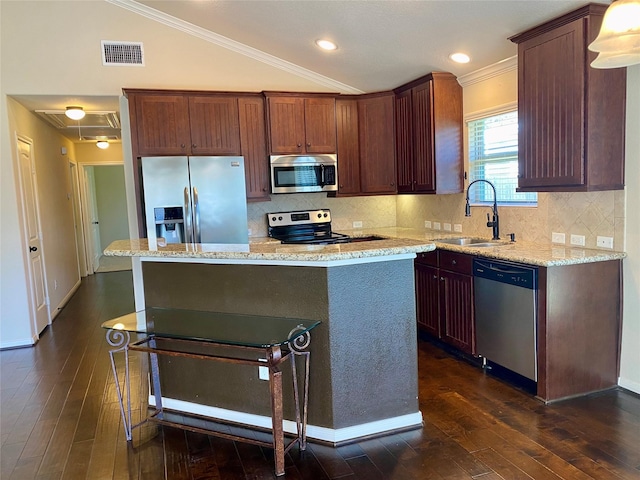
(187, 217)
(196, 216)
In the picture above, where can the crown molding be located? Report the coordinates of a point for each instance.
(232, 45)
(490, 71)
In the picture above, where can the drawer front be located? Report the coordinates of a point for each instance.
(456, 262)
(428, 258)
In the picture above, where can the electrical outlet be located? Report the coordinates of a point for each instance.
(604, 242)
(357, 224)
(55, 284)
(447, 227)
(436, 225)
(557, 237)
(263, 372)
(427, 224)
(249, 231)
(457, 227)
(577, 240)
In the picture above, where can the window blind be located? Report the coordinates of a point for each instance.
(493, 156)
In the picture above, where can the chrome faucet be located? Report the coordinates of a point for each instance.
(495, 223)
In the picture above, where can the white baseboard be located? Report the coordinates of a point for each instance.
(629, 385)
(324, 434)
(65, 300)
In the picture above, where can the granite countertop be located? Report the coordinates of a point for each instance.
(545, 255)
(268, 249)
(396, 241)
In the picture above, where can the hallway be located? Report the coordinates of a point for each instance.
(60, 420)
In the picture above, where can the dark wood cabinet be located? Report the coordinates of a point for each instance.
(365, 141)
(429, 135)
(254, 147)
(571, 116)
(348, 146)
(377, 143)
(181, 124)
(444, 297)
(301, 124)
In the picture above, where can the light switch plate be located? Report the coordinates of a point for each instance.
(577, 240)
(357, 224)
(557, 237)
(436, 225)
(427, 224)
(263, 372)
(457, 227)
(604, 242)
(447, 227)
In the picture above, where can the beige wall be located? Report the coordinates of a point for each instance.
(89, 153)
(112, 203)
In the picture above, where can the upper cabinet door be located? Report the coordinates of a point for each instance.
(320, 125)
(404, 139)
(162, 124)
(348, 147)
(286, 125)
(214, 125)
(571, 131)
(423, 146)
(377, 144)
(551, 108)
(254, 147)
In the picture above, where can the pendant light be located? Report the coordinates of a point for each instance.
(618, 43)
(74, 112)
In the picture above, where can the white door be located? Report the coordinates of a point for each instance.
(38, 289)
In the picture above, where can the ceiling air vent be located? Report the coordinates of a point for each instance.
(122, 53)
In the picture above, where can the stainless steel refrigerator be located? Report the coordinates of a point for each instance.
(195, 200)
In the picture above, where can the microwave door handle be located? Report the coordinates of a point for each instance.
(322, 182)
(187, 216)
(196, 216)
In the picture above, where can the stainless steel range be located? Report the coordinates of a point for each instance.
(304, 226)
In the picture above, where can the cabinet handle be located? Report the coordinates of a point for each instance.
(453, 262)
(182, 145)
(393, 184)
(435, 277)
(194, 146)
(442, 279)
(299, 145)
(264, 189)
(308, 144)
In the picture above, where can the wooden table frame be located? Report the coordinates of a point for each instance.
(271, 357)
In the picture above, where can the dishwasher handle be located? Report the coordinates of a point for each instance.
(503, 272)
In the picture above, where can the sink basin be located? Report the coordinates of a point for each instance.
(469, 242)
(462, 240)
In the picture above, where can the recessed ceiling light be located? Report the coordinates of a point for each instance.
(459, 57)
(326, 44)
(102, 144)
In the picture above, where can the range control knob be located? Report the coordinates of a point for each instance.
(280, 218)
(326, 215)
(319, 215)
(273, 219)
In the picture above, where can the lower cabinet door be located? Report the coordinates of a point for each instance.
(456, 310)
(427, 299)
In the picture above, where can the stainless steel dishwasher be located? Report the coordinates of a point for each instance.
(505, 307)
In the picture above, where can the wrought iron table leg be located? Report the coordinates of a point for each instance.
(155, 378)
(120, 340)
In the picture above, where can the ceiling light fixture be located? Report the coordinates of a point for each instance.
(618, 43)
(460, 57)
(74, 113)
(326, 45)
(102, 144)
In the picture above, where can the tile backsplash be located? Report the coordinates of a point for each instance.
(590, 214)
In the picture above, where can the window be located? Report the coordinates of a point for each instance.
(493, 156)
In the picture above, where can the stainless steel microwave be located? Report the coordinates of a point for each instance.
(304, 173)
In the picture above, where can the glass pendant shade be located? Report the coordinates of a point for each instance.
(74, 113)
(618, 42)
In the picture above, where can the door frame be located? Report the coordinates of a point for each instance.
(24, 236)
(84, 192)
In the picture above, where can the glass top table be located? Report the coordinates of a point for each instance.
(215, 327)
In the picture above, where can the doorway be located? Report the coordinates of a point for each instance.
(104, 215)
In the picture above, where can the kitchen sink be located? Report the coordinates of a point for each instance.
(468, 242)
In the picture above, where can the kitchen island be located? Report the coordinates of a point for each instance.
(363, 378)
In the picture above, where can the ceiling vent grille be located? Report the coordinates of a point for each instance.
(122, 53)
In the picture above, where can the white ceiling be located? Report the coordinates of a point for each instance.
(381, 44)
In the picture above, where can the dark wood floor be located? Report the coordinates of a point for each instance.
(60, 419)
